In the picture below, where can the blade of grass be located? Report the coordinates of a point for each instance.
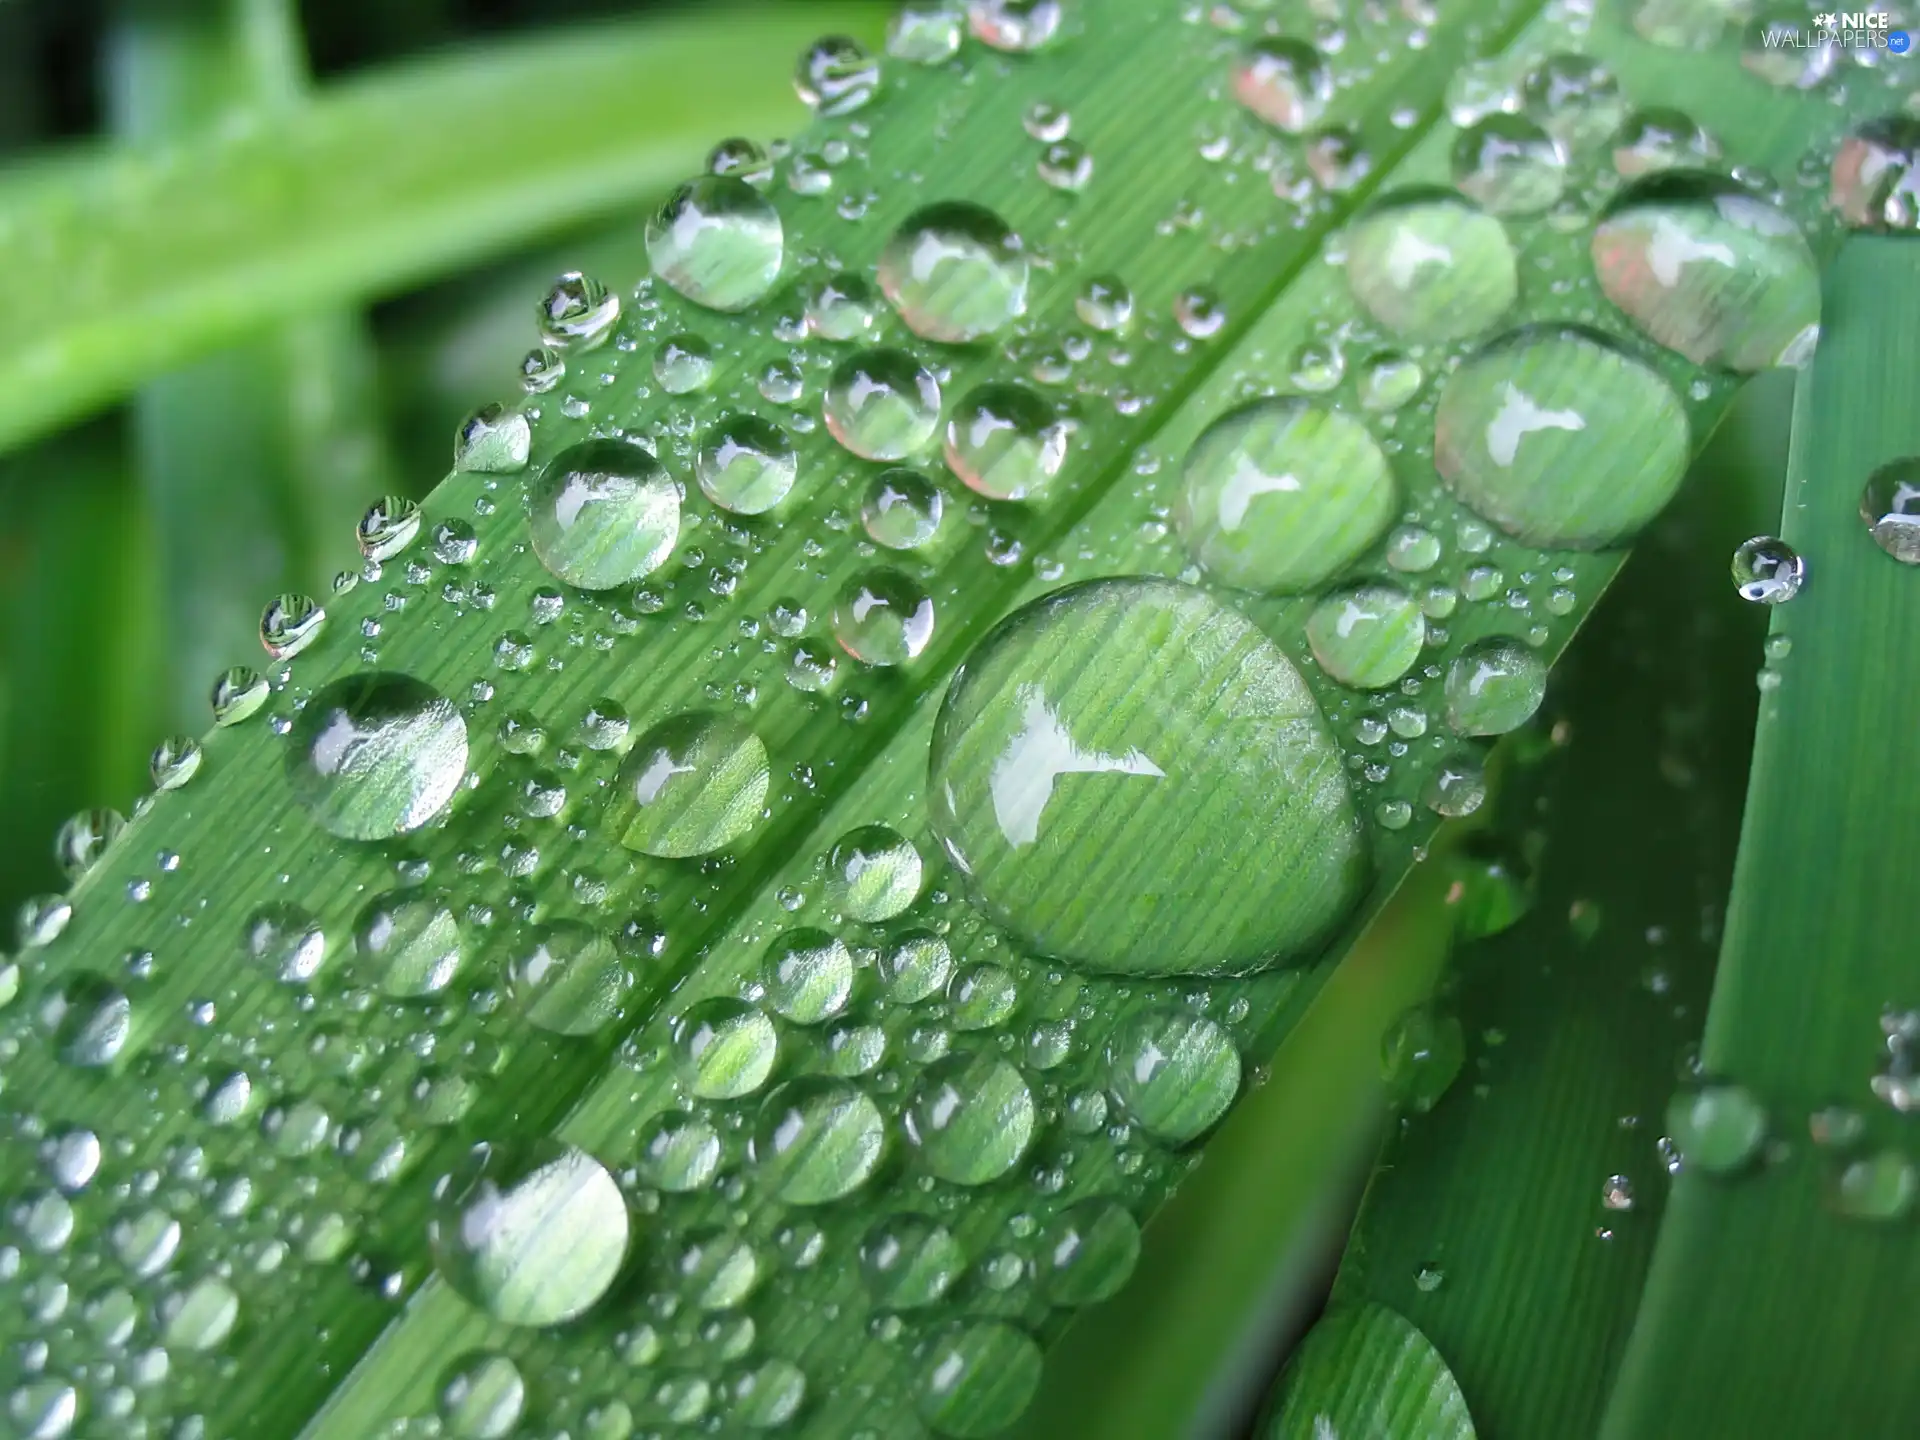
(1485, 1225)
(1756, 1276)
(125, 267)
(256, 461)
(856, 757)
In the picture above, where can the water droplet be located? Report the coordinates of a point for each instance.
(1880, 1186)
(1876, 175)
(1041, 780)
(910, 1262)
(376, 755)
(842, 307)
(1337, 158)
(533, 1234)
(1367, 636)
(542, 369)
(902, 509)
(972, 1117)
(1616, 1193)
(285, 941)
(1768, 571)
(84, 838)
(492, 441)
(174, 762)
(1174, 1072)
(289, 624)
(1704, 268)
(1457, 787)
(200, 1317)
(1649, 141)
(1493, 686)
(883, 618)
(742, 159)
(882, 404)
(808, 975)
(1065, 165)
(917, 966)
(1020, 26)
(568, 978)
(1509, 164)
(1285, 82)
(817, 1140)
(578, 313)
(718, 241)
(836, 76)
(1105, 303)
(1199, 313)
(1559, 438)
(679, 1152)
(1575, 97)
(955, 272)
(1717, 1128)
(89, 1018)
(604, 513)
(925, 32)
(481, 1397)
(1088, 1252)
(727, 1048)
(1890, 506)
(745, 464)
(238, 695)
(1431, 267)
(1005, 442)
(683, 364)
(1281, 494)
(873, 873)
(1388, 381)
(691, 785)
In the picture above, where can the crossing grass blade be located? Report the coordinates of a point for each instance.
(1817, 950)
(750, 1182)
(128, 263)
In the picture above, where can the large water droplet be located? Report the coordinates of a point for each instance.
(1716, 1127)
(910, 1261)
(376, 755)
(604, 513)
(978, 1379)
(1088, 1252)
(1175, 1072)
(1658, 139)
(1431, 267)
(1706, 269)
(1285, 82)
(412, 940)
(1367, 636)
(746, 464)
(692, 784)
(972, 1118)
(532, 1234)
(883, 618)
(902, 509)
(808, 975)
(1493, 686)
(1890, 506)
(818, 1139)
(1768, 571)
(1281, 494)
(836, 75)
(1575, 97)
(568, 978)
(1559, 438)
(882, 404)
(1005, 442)
(481, 1397)
(1876, 175)
(1096, 722)
(873, 873)
(1509, 164)
(89, 1018)
(955, 272)
(727, 1048)
(718, 241)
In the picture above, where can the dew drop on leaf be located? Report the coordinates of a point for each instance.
(718, 241)
(873, 873)
(1768, 571)
(568, 978)
(977, 1379)
(817, 1140)
(971, 1118)
(1367, 635)
(1890, 507)
(910, 1261)
(955, 272)
(1509, 165)
(1005, 442)
(746, 464)
(882, 404)
(726, 1048)
(533, 1234)
(1876, 175)
(883, 618)
(603, 514)
(1100, 719)
(376, 755)
(1173, 1072)
(1430, 266)
(1285, 82)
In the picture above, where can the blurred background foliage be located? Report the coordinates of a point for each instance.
(138, 545)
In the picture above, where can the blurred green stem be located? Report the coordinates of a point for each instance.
(255, 461)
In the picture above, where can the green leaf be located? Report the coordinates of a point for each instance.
(873, 1152)
(1366, 1374)
(1815, 954)
(133, 262)
(1495, 1223)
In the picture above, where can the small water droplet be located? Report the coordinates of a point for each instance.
(746, 464)
(836, 76)
(882, 404)
(1285, 82)
(1509, 164)
(1494, 685)
(1716, 1128)
(883, 618)
(577, 314)
(1768, 571)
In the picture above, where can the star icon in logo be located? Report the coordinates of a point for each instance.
(1824, 20)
